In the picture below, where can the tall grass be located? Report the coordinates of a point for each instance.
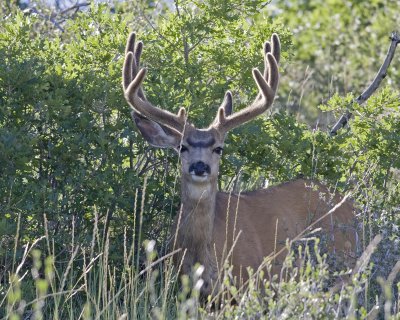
(86, 284)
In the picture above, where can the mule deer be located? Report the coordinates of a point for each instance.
(211, 221)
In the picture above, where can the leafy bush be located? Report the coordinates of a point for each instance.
(338, 48)
(70, 159)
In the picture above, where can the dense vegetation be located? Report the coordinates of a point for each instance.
(80, 191)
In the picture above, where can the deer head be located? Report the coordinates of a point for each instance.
(200, 149)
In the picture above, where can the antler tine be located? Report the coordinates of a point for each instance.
(132, 79)
(130, 43)
(267, 84)
(276, 47)
(267, 49)
(131, 66)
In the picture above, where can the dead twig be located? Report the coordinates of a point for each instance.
(34, 11)
(52, 18)
(343, 120)
(76, 6)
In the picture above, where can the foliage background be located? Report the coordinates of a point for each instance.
(70, 155)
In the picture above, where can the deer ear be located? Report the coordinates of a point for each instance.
(157, 135)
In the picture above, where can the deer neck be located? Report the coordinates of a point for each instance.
(198, 210)
(197, 220)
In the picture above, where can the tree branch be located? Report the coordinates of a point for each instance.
(76, 6)
(53, 17)
(34, 11)
(395, 40)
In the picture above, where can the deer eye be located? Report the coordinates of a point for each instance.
(182, 148)
(218, 150)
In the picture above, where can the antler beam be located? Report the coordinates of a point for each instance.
(267, 84)
(132, 79)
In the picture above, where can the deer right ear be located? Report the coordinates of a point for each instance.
(157, 135)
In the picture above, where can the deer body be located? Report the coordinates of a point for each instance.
(257, 224)
(212, 224)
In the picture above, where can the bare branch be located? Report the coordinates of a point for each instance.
(75, 6)
(53, 17)
(395, 40)
(34, 11)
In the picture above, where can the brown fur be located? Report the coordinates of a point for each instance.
(265, 219)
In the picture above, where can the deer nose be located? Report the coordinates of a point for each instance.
(199, 168)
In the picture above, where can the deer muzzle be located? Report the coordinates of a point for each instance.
(199, 169)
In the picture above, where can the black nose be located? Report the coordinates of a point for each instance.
(199, 168)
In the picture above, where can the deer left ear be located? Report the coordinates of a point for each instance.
(157, 135)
